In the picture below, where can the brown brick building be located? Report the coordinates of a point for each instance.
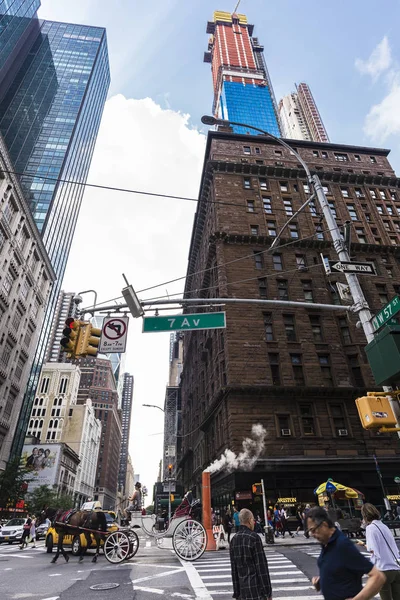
(98, 383)
(297, 371)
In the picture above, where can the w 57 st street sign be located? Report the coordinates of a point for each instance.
(198, 321)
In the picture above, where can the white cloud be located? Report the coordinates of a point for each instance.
(144, 147)
(379, 61)
(383, 119)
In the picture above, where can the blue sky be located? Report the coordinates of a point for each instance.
(156, 50)
(151, 138)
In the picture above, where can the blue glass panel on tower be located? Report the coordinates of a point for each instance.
(249, 104)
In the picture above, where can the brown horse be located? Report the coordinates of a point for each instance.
(75, 522)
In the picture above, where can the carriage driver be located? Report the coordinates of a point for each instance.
(135, 500)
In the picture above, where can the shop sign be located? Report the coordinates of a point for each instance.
(244, 496)
(393, 496)
(287, 500)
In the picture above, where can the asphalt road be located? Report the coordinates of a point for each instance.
(153, 572)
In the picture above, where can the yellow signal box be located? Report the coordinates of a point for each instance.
(71, 336)
(172, 497)
(375, 411)
(88, 341)
(257, 488)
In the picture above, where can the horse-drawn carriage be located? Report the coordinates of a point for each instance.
(184, 534)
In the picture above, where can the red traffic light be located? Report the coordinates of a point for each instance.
(70, 322)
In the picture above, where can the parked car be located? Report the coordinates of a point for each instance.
(12, 530)
(78, 542)
(41, 530)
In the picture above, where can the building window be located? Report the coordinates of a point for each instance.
(357, 157)
(268, 328)
(262, 287)
(6, 354)
(361, 235)
(307, 291)
(250, 206)
(313, 208)
(306, 188)
(258, 259)
(301, 262)
(345, 192)
(283, 293)
(352, 212)
(275, 370)
(359, 193)
(278, 152)
(326, 190)
(344, 330)
(63, 385)
(382, 293)
(297, 366)
(35, 307)
(294, 233)
(25, 287)
(8, 281)
(246, 183)
(325, 365)
(271, 228)
(246, 150)
(319, 232)
(284, 186)
(315, 153)
(288, 322)
(254, 229)
(393, 195)
(277, 262)
(307, 419)
(257, 150)
(382, 194)
(284, 425)
(288, 207)
(338, 419)
(263, 183)
(9, 212)
(316, 328)
(333, 208)
(373, 194)
(324, 154)
(17, 318)
(389, 210)
(267, 204)
(356, 372)
(372, 159)
(341, 157)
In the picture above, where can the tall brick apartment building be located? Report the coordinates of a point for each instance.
(297, 371)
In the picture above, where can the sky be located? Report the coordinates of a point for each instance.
(151, 139)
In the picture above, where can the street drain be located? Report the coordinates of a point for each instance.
(104, 586)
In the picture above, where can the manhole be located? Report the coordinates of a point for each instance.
(104, 586)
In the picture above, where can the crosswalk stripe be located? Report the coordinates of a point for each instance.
(299, 579)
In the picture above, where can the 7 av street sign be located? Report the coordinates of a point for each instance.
(215, 320)
(387, 312)
(360, 268)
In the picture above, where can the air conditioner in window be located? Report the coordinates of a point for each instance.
(343, 432)
(279, 163)
(286, 432)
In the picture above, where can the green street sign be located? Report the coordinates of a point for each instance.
(185, 322)
(386, 313)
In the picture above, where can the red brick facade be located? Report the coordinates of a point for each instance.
(297, 371)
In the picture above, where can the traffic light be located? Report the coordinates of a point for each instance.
(88, 341)
(71, 334)
(375, 411)
(169, 470)
(257, 489)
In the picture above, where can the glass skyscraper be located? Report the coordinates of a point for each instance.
(50, 114)
(242, 87)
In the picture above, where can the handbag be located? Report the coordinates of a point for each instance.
(397, 560)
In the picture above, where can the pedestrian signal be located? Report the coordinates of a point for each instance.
(71, 334)
(172, 497)
(375, 411)
(257, 488)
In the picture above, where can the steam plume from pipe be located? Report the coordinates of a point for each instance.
(245, 460)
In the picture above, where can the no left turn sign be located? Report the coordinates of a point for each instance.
(114, 334)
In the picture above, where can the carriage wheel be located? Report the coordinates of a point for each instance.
(117, 547)
(133, 544)
(189, 540)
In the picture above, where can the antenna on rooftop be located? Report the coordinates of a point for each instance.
(237, 6)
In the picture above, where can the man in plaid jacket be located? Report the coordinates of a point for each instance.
(250, 574)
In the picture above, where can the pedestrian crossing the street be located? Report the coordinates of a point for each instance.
(286, 578)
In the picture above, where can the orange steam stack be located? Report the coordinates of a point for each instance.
(206, 503)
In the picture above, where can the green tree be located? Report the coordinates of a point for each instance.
(13, 483)
(46, 496)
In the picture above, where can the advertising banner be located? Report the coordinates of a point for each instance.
(42, 463)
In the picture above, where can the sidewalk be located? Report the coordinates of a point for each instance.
(297, 540)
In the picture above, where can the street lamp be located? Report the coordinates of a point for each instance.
(153, 406)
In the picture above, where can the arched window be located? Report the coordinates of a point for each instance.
(41, 423)
(36, 401)
(55, 423)
(50, 423)
(55, 402)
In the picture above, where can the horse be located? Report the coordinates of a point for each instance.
(75, 522)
